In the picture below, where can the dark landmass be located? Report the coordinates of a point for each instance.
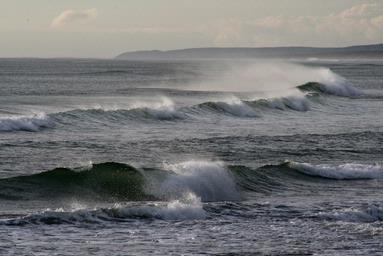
(359, 51)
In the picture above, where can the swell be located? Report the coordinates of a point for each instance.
(164, 109)
(209, 181)
(104, 181)
(174, 192)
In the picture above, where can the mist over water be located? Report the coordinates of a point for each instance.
(214, 156)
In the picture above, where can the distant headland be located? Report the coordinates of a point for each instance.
(357, 51)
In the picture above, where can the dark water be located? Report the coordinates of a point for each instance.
(105, 157)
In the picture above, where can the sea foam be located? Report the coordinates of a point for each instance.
(31, 123)
(340, 172)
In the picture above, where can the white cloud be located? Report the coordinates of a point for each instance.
(358, 24)
(69, 16)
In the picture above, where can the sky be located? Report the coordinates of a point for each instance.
(104, 29)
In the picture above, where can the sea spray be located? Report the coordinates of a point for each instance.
(211, 181)
(264, 76)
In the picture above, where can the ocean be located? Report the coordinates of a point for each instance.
(191, 157)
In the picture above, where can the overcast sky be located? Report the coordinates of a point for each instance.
(85, 28)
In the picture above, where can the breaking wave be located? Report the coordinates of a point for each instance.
(339, 172)
(176, 191)
(31, 123)
(161, 110)
(211, 181)
(164, 109)
(187, 208)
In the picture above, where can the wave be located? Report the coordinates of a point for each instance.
(234, 107)
(103, 181)
(337, 89)
(161, 110)
(32, 123)
(210, 181)
(339, 172)
(164, 109)
(187, 208)
(296, 103)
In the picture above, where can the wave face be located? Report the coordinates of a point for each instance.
(32, 123)
(296, 103)
(339, 172)
(208, 181)
(105, 180)
(161, 110)
(337, 89)
(234, 107)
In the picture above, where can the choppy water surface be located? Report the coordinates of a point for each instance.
(105, 157)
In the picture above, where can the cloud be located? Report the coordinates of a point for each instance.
(69, 16)
(359, 24)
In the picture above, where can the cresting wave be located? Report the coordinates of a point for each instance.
(165, 109)
(187, 208)
(210, 181)
(339, 172)
(174, 192)
(32, 123)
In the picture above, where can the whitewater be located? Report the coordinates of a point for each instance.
(190, 157)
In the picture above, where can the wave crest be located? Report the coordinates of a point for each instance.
(339, 172)
(211, 181)
(32, 123)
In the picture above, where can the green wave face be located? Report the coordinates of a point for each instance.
(105, 180)
(209, 181)
(312, 87)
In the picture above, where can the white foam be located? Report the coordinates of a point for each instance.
(344, 171)
(31, 123)
(188, 207)
(372, 213)
(211, 181)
